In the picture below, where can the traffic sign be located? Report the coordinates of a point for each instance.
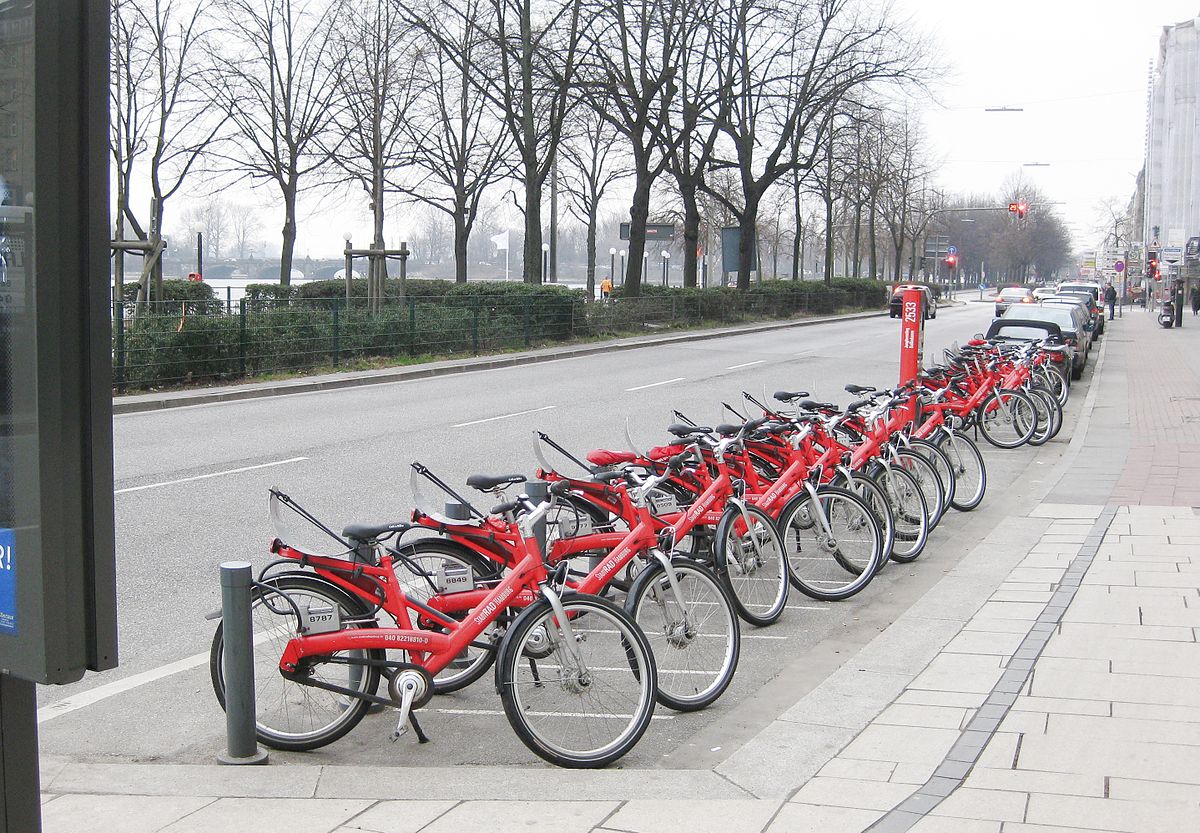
(1119, 266)
(952, 250)
(1172, 254)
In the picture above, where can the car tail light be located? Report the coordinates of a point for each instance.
(1057, 358)
(1025, 300)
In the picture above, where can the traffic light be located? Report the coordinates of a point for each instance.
(952, 261)
(1018, 209)
(1152, 265)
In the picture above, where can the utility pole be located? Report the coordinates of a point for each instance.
(553, 276)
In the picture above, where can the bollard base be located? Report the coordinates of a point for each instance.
(259, 758)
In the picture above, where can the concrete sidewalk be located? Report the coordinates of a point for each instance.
(1048, 683)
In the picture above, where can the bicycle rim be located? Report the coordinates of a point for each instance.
(1007, 419)
(910, 511)
(571, 715)
(290, 715)
(750, 561)
(926, 476)
(694, 636)
(881, 506)
(826, 567)
(970, 471)
(943, 469)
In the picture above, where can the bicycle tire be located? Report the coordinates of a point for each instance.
(810, 550)
(475, 662)
(909, 509)
(926, 475)
(281, 701)
(995, 415)
(756, 577)
(679, 646)
(941, 465)
(615, 648)
(1053, 408)
(1044, 418)
(865, 486)
(970, 470)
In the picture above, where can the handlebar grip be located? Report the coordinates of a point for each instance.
(507, 506)
(675, 464)
(755, 424)
(560, 487)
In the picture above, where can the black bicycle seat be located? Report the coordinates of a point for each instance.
(680, 429)
(371, 532)
(859, 390)
(788, 395)
(488, 482)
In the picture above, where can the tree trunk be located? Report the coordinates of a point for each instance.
(639, 213)
(828, 200)
(462, 235)
(857, 239)
(873, 239)
(691, 236)
(289, 235)
(798, 233)
(591, 254)
(532, 251)
(747, 243)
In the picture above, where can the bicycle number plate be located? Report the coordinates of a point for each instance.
(662, 502)
(454, 579)
(320, 619)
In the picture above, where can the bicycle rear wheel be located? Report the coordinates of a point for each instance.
(868, 488)
(751, 564)
(941, 465)
(927, 478)
(833, 558)
(910, 511)
(290, 715)
(694, 636)
(582, 705)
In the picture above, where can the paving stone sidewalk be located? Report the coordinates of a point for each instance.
(1049, 683)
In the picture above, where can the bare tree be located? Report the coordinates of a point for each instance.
(631, 56)
(212, 218)
(162, 120)
(457, 138)
(374, 69)
(594, 164)
(243, 226)
(278, 74)
(794, 63)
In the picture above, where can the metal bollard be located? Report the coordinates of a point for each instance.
(538, 491)
(238, 666)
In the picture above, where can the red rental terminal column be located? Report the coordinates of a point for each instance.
(912, 335)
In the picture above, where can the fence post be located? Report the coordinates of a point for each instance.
(119, 322)
(242, 337)
(525, 322)
(412, 327)
(337, 342)
(238, 666)
(475, 326)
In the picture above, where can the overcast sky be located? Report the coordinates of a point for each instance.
(1079, 70)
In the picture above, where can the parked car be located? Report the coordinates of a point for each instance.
(1095, 310)
(1082, 286)
(1043, 292)
(1072, 321)
(1018, 329)
(1080, 302)
(929, 300)
(1012, 295)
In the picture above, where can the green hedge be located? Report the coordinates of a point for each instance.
(282, 331)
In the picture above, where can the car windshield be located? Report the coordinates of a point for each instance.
(1013, 293)
(1058, 314)
(1022, 332)
(1081, 288)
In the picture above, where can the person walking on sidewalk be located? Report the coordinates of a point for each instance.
(1196, 301)
(1110, 298)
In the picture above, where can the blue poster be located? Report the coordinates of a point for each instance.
(8, 582)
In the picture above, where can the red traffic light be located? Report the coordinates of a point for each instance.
(1014, 207)
(1019, 208)
(951, 260)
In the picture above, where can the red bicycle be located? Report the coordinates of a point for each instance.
(575, 673)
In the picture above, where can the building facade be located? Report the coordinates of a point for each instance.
(1172, 173)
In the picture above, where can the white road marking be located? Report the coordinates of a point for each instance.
(747, 364)
(504, 416)
(103, 692)
(805, 607)
(206, 476)
(654, 384)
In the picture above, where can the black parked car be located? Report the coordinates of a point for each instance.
(929, 300)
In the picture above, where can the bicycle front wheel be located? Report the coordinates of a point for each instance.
(290, 715)
(970, 471)
(833, 544)
(751, 564)
(583, 703)
(1007, 419)
(909, 510)
(926, 475)
(869, 489)
(693, 634)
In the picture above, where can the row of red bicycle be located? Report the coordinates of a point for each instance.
(617, 579)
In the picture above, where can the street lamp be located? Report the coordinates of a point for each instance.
(666, 256)
(622, 267)
(545, 260)
(199, 232)
(645, 264)
(612, 263)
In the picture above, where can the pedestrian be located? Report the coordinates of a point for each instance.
(1196, 301)
(605, 289)
(1110, 298)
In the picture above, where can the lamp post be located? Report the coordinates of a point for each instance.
(348, 266)
(622, 267)
(645, 264)
(666, 256)
(612, 264)
(545, 260)
(199, 252)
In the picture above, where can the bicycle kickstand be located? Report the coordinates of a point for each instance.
(421, 736)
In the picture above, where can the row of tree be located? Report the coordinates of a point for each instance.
(742, 113)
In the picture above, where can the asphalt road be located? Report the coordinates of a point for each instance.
(191, 493)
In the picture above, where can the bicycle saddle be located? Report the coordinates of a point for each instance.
(727, 430)
(809, 405)
(487, 482)
(370, 532)
(789, 396)
(859, 390)
(679, 429)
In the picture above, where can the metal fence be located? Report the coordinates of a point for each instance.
(183, 342)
